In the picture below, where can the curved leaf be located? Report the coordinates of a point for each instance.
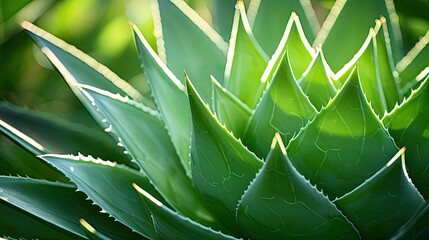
(409, 125)
(171, 225)
(90, 231)
(57, 204)
(344, 144)
(39, 133)
(229, 109)
(284, 108)
(339, 47)
(240, 79)
(316, 82)
(202, 51)
(264, 13)
(83, 68)
(417, 227)
(170, 98)
(279, 196)
(223, 15)
(221, 166)
(376, 72)
(109, 186)
(382, 204)
(143, 134)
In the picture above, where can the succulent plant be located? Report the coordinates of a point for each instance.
(263, 137)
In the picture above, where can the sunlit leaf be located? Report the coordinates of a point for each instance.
(273, 212)
(284, 108)
(409, 125)
(170, 98)
(202, 51)
(221, 166)
(383, 203)
(344, 144)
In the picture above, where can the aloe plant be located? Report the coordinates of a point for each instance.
(261, 137)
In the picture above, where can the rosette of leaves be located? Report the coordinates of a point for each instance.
(262, 137)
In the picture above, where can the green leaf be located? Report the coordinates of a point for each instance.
(221, 166)
(344, 144)
(109, 186)
(170, 98)
(90, 231)
(202, 51)
(413, 64)
(262, 15)
(297, 46)
(229, 109)
(376, 72)
(279, 195)
(339, 48)
(39, 133)
(18, 225)
(384, 202)
(57, 204)
(316, 82)
(143, 135)
(284, 108)
(408, 125)
(77, 67)
(417, 227)
(171, 225)
(240, 79)
(223, 15)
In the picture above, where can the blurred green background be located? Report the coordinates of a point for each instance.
(101, 29)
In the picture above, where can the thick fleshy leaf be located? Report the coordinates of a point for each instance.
(413, 64)
(109, 185)
(90, 231)
(316, 82)
(83, 68)
(384, 202)
(240, 79)
(18, 225)
(221, 166)
(344, 144)
(202, 50)
(284, 108)
(229, 109)
(279, 196)
(262, 15)
(298, 48)
(376, 72)
(171, 225)
(339, 47)
(409, 126)
(57, 204)
(223, 15)
(170, 98)
(417, 227)
(39, 133)
(143, 135)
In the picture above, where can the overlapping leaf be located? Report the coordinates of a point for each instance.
(376, 72)
(382, 204)
(57, 205)
(279, 196)
(240, 79)
(229, 109)
(171, 225)
(344, 31)
(409, 125)
(202, 51)
(221, 166)
(284, 108)
(316, 82)
(170, 98)
(344, 144)
(109, 186)
(143, 134)
(262, 15)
